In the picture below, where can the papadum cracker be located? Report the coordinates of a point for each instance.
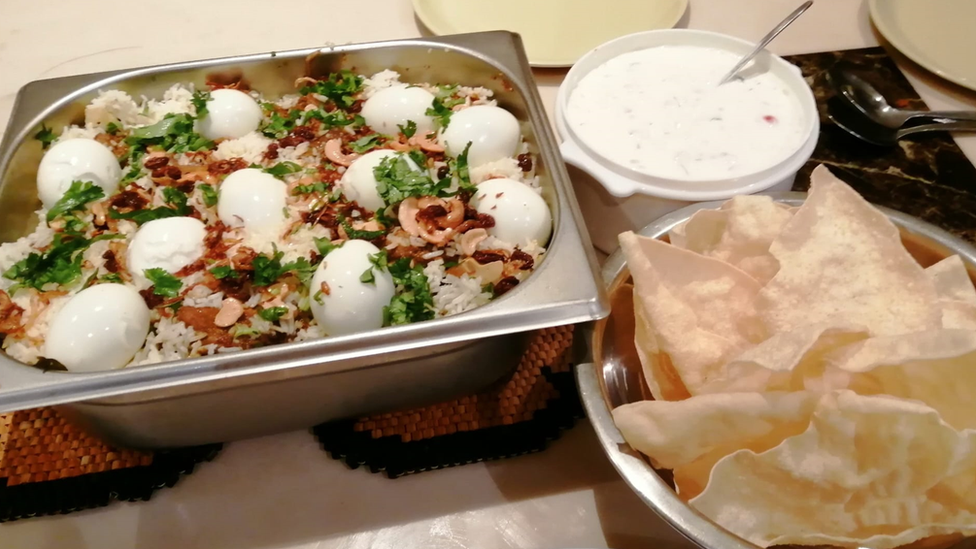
(674, 287)
(874, 472)
(841, 261)
(738, 233)
(690, 436)
(815, 385)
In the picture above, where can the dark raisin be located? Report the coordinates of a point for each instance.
(159, 173)
(129, 200)
(488, 256)
(272, 152)
(223, 167)
(111, 263)
(524, 258)
(156, 162)
(173, 172)
(505, 284)
(152, 300)
(443, 171)
(431, 212)
(525, 162)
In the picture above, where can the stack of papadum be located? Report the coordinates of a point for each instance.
(814, 384)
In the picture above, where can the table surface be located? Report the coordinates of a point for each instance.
(283, 491)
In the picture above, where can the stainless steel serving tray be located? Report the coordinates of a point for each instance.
(295, 385)
(611, 375)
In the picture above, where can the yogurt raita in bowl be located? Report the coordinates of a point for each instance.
(645, 117)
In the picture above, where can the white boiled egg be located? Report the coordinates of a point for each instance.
(230, 114)
(359, 181)
(520, 213)
(390, 108)
(76, 159)
(253, 198)
(169, 244)
(100, 328)
(341, 302)
(492, 131)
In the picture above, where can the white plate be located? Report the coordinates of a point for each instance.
(556, 32)
(939, 35)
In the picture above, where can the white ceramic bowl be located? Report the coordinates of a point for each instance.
(616, 199)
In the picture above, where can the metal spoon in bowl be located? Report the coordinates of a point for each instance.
(865, 98)
(766, 40)
(858, 124)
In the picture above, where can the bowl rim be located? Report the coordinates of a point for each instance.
(590, 373)
(623, 181)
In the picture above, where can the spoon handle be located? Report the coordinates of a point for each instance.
(766, 40)
(944, 117)
(944, 127)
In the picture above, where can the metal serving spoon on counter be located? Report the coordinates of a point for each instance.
(766, 40)
(865, 98)
(857, 123)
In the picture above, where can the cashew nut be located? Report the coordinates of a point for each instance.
(407, 214)
(425, 143)
(491, 272)
(471, 239)
(98, 209)
(230, 310)
(333, 151)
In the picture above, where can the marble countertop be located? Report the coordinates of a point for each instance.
(283, 491)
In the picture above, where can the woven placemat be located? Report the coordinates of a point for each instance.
(48, 466)
(516, 416)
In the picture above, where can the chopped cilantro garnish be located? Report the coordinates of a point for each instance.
(440, 113)
(488, 288)
(317, 187)
(164, 284)
(282, 169)
(279, 126)
(409, 130)
(319, 297)
(418, 157)
(377, 261)
(79, 194)
(367, 143)
(210, 195)
(333, 119)
(60, 264)
(112, 128)
(324, 246)
(415, 302)
(45, 136)
(396, 181)
(268, 269)
(380, 260)
(336, 194)
(174, 197)
(356, 234)
(200, 98)
(173, 133)
(340, 87)
(238, 331)
(272, 314)
(223, 272)
(110, 278)
(459, 168)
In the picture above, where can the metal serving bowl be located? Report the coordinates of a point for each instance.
(611, 376)
(295, 385)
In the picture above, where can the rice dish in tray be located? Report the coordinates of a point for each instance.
(219, 220)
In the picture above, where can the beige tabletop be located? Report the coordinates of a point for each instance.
(283, 491)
